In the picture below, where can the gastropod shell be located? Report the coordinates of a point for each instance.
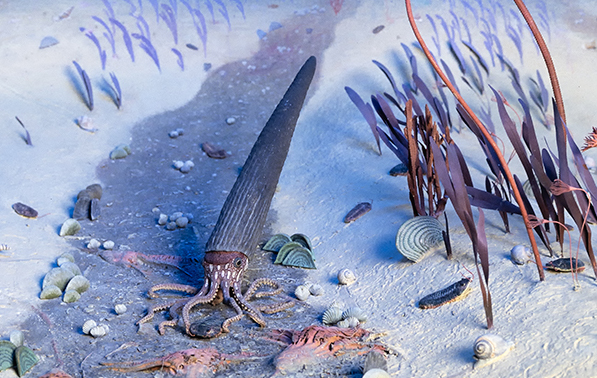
(490, 348)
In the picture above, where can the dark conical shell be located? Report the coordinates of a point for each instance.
(243, 215)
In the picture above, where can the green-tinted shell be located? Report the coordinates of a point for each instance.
(7, 350)
(276, 242)
(286, 248)
(303, 240)
(25, 359)
(299, 257)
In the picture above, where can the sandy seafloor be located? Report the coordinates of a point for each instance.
(332, 165)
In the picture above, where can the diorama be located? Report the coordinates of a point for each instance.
(308, 188)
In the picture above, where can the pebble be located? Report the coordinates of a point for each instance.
(120, 152)
(88, 325)
(182, 222)
(17, 337)
(177, 164)
(47, 42)
(120, 309)
(163, 219)
(173, 134)
(93, 244)
(108, 244)
(231, 120)
(175, 216)
(171, 226)
(98, 331)
(185, 169)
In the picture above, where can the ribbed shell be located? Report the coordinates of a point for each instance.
(276, 242)
(417, 236)
(332, 316)
(243, 215)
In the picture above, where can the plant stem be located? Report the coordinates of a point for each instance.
(481, 127)
(551, 69)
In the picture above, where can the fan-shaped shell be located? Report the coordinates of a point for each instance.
(299, 257)
(343, 324)
(303, 240)
(417, 236)
(520, 254)
(286, 248)
(276, 242)
(352, 321)
(355, 312)
(7, 350)
(489, 348)
(332, 316)
(25, 359)
(346, 277)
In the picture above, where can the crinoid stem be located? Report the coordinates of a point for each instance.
(551, 69)
(481, 127)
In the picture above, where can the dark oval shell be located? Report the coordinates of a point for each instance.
(399, 170)
(377, 29)
(452, 293)
(212, 151)
(357, 212)
(566, 264)
(24, 210)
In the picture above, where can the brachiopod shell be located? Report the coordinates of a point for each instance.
(520, 254)
(489, 348)
(316, 290)
(120, 309)
(71, 296)
(50, 292)
(71, 267)
(302, 292)
(303, 240)
(417, 236)
(58, 277)
(286, 248)
(299, 257)
(78, 283)
(70, 227)
(25, 359)
(332, 316)
(346, 277)
(65, 257)
(7, 350)
(276, 242)
(88, 325)
(355, 312)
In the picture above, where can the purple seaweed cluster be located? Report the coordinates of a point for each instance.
(168, 13)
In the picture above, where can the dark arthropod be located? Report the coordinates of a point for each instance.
(566, 265)
(452, 293)
(357, 212)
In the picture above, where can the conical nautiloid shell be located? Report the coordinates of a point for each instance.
(417, 236)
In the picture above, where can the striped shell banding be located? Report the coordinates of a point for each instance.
(452, 293)
(566, 265)
(241, 222)
(417, 236)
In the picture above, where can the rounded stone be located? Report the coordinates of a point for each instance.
(163, 219)
(173, 134)
(120, 309)
(175, 216)
(108, 244)
(230, 120)
(177, 164)
(93, 244)
(88, 325)
(171, 226)
(182, 222)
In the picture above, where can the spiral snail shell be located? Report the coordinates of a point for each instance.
(346, 277)
(490, 348)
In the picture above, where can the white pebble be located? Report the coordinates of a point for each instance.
(189, 216)
(120, 309)
(185, 169)
(189, 163)
(108, 244)
(163, 219)
(94, 244)
(173, 134)
(171, 226)
(180, 131)
(182, 222)
(98, 331)
(230, 120)
(175, 216)
(88, 325)
(302, 292)
(17, 337)
(177, 164)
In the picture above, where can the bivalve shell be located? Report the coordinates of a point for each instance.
(346, 277)
(343, 323)
(332, 316)
(352, 321)
(78, 283)
(50, 292)
(58, 277)
(417, 236)
(71, 267)
(71, 296)
(7, 350)
(302, 292)
(65, 257)
(303, 240)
